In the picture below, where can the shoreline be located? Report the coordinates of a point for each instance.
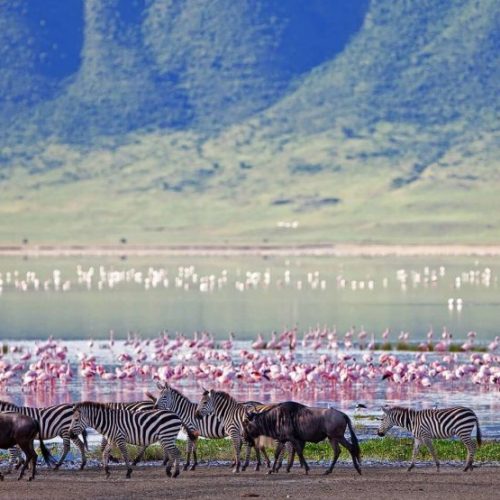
(299, 250)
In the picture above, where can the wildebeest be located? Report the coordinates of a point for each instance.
(298, 424)
(21, 430)
(232, 414)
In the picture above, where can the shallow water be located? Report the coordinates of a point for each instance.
(375, 393)
(247, 296)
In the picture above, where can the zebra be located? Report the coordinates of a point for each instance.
(425, 425)
(54, 422)
(232, 414)
(131, 406)
(208, 426)
(123, 426)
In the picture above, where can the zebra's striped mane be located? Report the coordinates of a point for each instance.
(223, 396)
(8, 403)
(178, 393)
(90, 404)
(402, 409)
(401, 415)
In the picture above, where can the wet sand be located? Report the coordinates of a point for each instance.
(219, 482)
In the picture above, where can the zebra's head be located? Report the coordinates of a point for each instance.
(206, 405)
(164, 400)
(79, 422)
(387, 421)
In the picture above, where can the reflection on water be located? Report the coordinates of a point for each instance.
(85, 298)
(327, 390)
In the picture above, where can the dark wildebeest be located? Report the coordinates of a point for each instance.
(298, 424)
(21, 430)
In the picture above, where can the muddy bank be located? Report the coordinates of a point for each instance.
(219, 482)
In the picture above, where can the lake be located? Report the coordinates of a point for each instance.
(75, 300)
(72, 298)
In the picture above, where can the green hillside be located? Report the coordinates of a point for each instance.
(189, 129)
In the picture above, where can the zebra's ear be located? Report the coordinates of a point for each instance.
(385, 409)
(160, 386)
(250, 416)
(150, 396)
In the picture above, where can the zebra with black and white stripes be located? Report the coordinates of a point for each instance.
(120, 427)
(208, 426)
(426, 425)
(54, 422)
(232, 414)
(130, 406)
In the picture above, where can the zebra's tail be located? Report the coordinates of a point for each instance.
(354, 440)
(85, 442)
(478, 433)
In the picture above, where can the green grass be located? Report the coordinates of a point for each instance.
(238, 206)
(385, 449)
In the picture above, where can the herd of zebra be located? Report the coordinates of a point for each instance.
(251, 424)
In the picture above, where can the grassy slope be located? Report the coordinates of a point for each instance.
(125, 196)
(400, 128)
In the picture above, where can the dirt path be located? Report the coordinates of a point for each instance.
(218, 482)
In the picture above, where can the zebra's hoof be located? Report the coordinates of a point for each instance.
(176, 473)
(1, 477)
(168, 472)
(30, 479)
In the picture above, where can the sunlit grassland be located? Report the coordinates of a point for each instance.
(176, 189)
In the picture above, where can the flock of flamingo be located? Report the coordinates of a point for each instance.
(319, 357)
(190, 278)
(295, 361)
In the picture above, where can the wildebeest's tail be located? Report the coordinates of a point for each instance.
(478, 433)
(354, 440)
(49, 459)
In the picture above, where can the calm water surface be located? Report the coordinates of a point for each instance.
(41, 297)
